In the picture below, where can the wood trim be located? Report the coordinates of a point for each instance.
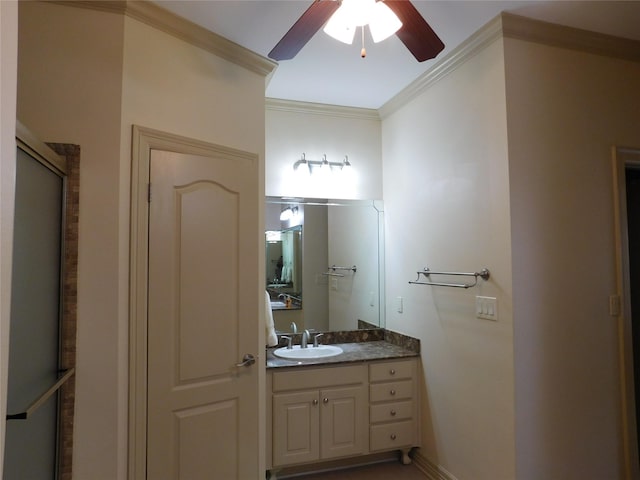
(621, 158)
(309, 108)
(537, 31)
(430, 469)
(166, 21)
(508, 25)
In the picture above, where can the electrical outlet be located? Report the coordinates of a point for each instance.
(487, 308)
(372, 301)
(334, 284)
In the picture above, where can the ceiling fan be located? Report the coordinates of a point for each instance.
(415, 32)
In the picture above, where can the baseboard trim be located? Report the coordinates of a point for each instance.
(430, 469)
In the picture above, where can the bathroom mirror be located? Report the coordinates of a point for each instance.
(334, 278)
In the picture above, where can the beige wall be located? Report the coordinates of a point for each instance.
(565, 110)
(86, 77)
(317, 130)
(8, 70)
(69, 90)
(446, 194)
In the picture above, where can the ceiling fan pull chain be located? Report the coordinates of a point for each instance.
(363, 52)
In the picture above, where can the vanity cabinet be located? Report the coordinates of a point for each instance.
(336, 411)
(393, 410)
(319, 414)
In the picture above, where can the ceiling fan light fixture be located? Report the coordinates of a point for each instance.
(383, 22)
(342, 24)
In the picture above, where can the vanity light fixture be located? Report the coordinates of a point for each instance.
(288, 213)
(324, 167)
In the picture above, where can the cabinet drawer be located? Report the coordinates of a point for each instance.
(391, 436)
(305, 378)
(382, 372)
(387, 412)
(381, 392)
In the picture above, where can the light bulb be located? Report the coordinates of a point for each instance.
(383, 22)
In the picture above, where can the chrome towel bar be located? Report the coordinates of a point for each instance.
(334, 268)
(484, 274)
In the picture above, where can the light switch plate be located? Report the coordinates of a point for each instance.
(487, 308)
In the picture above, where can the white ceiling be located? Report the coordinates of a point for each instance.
(327, 71)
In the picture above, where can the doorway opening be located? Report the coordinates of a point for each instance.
(627, 216)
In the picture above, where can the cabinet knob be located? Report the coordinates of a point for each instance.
(393, 436)
(393, 413)
(325, 400)
(392, 392)
(315, 401)
(392, 372)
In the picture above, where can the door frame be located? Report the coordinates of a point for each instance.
(143, 141)
(622, 158)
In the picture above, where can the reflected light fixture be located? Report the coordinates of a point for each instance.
(288, 213)
(351, 14)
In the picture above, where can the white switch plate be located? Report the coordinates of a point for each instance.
(334, 284)
(487, 308)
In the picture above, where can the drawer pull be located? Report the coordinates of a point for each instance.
(392, 371)
(315, 401)
(325, 400)
(393, 413)
(393, 436)
(392, 392)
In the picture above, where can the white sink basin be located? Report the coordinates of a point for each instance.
(311, 352)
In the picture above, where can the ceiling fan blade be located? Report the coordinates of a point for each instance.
(415, 32)
(305, 27)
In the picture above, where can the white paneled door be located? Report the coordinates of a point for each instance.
(202, 403)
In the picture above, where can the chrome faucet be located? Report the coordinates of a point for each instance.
(315, 339)
(305, 339)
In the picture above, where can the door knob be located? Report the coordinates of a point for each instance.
(247, 360)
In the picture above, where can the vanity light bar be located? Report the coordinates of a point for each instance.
(321, 163)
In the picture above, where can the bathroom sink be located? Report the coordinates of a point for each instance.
(311, 352)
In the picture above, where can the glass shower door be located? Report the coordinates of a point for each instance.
(31, 435)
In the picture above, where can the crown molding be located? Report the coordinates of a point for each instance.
(310, 108)
(507, 25)
(166, 21)
(477, 42)
(537, 31)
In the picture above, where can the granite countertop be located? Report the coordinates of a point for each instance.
(352, 352)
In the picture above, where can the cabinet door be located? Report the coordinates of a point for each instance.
(343, 422)
(295, 428)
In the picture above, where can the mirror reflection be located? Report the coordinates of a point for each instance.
(284, 267)
(324, 263)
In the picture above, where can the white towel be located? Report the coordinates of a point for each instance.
(272, 338)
